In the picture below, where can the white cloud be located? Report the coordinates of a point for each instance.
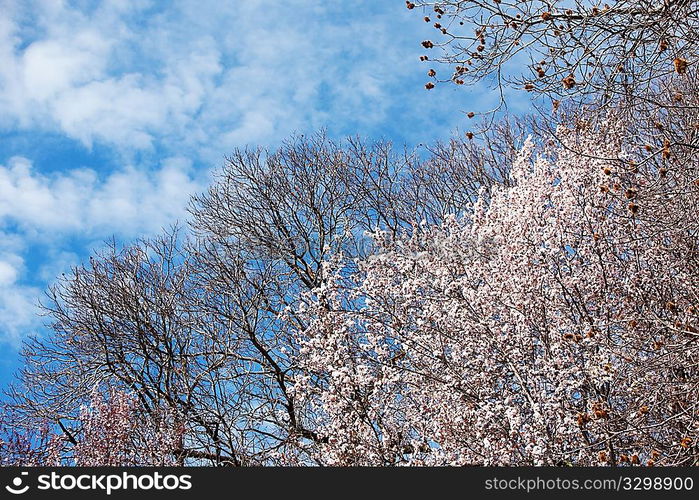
(19, 314)
(128, 202)
(206, 76)
(50, 67)
(18, 311)
(8, 273)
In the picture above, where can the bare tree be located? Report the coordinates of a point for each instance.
(265, 232)
(198, 328)
(579, 51)
(123, 320)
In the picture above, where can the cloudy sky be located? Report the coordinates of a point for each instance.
(113, 112)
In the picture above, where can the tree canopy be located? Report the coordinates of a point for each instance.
(524, 295)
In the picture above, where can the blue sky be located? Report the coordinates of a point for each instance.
(113, 112)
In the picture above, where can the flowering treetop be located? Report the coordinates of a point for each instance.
(555, 325)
